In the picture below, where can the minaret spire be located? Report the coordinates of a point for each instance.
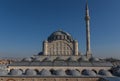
(87, 11)
(87, 20)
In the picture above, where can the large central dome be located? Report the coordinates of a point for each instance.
(60, 35)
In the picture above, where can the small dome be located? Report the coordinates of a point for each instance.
(83, 58)
(60, 72)
(45, 72)
(47, 59)
(37, 59)
(15, 72)
(116, 71)
(30, 72)
(71, 59)
(27, 59)
(75, 73)
(94, 59)
(118, 66)
(105, 73)
(60, 35)
(3, 72)
(59, 58)
(88, 72)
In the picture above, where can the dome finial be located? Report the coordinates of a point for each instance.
(87, 8)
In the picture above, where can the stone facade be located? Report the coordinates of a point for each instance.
(60, 43)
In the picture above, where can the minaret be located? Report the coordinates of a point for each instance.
(87, 20)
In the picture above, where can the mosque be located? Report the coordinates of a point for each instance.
(60, 60)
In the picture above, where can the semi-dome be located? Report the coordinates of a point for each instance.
(105, 73)
(30, 72)
(16, 72)
(60, 35)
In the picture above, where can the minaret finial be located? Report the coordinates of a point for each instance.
(87, 20)
(87, 11)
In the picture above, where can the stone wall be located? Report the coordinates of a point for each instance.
(46, 79)
(60, 48)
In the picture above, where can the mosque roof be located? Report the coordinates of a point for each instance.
(55, 73)
(60, 61)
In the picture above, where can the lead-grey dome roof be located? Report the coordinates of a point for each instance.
(116, 70)
(59, 58)
(105, 73)
(83, 58)
(71, 59)
(38, 59)
(94, 59)
(3, 72)
(60, 35)
(47, 59)
(45, 72)
(15, 72)
(75, 73)
(30, 72)
(28, 59)
(60, 72)
(89, 73)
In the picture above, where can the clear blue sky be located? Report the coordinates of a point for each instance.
(24, 24)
